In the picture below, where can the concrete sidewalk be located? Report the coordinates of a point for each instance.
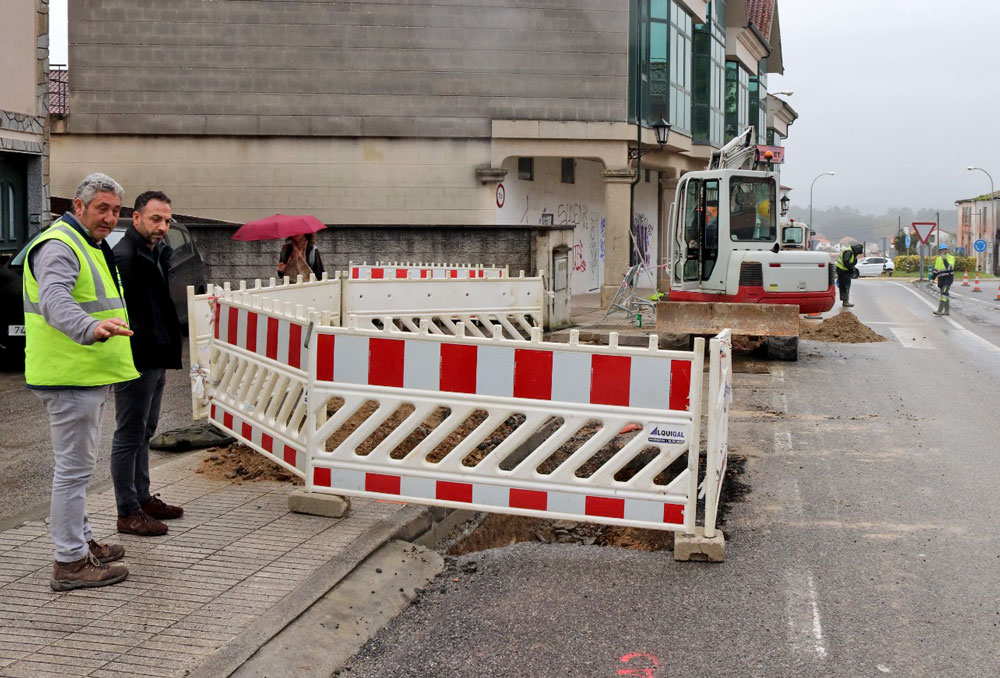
(228, 576)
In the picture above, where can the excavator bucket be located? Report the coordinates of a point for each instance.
(760, 320)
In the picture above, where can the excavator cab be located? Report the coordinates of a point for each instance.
(719, 212)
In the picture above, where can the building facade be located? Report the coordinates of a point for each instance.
(977, 220)
(24, 128)
(506, 114)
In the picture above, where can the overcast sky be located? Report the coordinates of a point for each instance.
(895, 96)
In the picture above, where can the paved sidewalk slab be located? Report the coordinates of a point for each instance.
(223, 568)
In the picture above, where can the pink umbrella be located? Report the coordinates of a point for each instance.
(278, 227)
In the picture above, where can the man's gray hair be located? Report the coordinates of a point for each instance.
(95, 183)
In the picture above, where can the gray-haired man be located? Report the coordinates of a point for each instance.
(77, 346)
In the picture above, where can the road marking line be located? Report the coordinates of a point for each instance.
(988, 345)
(907, 336)
(804, 625)
(978, 301)
(931, 306)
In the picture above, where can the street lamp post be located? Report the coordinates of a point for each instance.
(970, 168)
(812, 227)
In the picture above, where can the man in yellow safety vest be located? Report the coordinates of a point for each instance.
(77, 346)
(846, 265)
(944, 273)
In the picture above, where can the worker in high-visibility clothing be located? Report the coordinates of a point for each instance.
(944, 273)
(847, 263)
(77, 346)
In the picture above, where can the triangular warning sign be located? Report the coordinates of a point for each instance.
(923, 229)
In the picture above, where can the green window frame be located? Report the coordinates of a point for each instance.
(737, 99)
(708, 111)
(660, 63)
(758, 99)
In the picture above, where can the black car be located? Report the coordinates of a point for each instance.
(188, 267)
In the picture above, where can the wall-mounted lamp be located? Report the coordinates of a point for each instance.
(661, 128)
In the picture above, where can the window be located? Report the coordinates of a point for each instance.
(737, 99)
(526, 169)
(680, 69)
(660, 36)
(751, 213)
(568, 171)
(758, 99)
(708, 123)
(701, 230)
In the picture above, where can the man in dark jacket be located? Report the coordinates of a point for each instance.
(143, 260)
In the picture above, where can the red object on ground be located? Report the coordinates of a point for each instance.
(278, 227)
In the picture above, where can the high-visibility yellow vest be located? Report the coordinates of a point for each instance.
(840, 260)
(53, 359)
(939, 264)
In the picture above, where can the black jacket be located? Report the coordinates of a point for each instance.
(151, 312)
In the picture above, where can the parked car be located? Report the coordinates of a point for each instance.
(875, 266)
(188, 269)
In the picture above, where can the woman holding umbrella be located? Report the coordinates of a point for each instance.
(299, 255)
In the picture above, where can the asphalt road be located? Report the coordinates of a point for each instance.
(867, 545)
(26, 446)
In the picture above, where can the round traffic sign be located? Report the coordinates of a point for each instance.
(980, 245)
(501, 195)
(907, 241)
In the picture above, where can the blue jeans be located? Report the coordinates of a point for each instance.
(137, 412)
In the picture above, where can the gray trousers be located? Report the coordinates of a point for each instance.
(137, 411)
(75, 421)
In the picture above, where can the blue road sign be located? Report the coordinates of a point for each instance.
(980, 245)
(907, 241)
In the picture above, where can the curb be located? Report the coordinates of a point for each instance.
(406, 524)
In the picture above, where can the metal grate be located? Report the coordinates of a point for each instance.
(751, 274)
(58, 91)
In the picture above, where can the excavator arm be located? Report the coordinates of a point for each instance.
(739, 153)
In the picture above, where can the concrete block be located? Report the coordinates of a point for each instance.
(699, 547)
(329, 505)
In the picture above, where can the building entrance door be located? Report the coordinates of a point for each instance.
(13, 202)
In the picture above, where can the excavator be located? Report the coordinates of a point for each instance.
(727, 264)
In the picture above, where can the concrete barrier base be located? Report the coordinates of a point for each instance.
(328, 505)
(699, 547)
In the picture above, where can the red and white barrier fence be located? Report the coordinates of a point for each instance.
(515, 305)
(720, 397)
(595, 433)
(424, 271)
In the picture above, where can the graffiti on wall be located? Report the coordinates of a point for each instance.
(588, 248)
(643, 239)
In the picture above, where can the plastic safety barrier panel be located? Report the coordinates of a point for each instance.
(605, 434)
(322, 295)
(259, 354)
(423, 271)
(515, 305)
(720, 397)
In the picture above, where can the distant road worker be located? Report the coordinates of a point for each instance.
(847, 263)
(944, 273)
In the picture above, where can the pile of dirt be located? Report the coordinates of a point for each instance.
(844, 328)
(497, 530)
(239, 463)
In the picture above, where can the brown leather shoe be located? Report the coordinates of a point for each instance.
(87, 572)
(106, 553)
(156, 508)
(140, 523)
